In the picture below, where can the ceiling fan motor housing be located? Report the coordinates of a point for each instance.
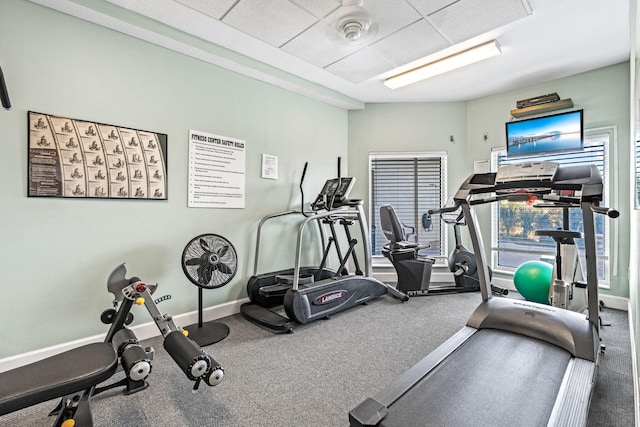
(352, 19)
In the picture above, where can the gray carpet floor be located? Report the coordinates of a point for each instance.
(314, 376)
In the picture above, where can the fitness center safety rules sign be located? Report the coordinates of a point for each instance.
(216, 171)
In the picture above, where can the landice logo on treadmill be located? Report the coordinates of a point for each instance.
(329, 297)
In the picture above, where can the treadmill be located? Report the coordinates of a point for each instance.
(515, 363)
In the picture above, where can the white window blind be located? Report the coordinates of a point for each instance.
(412, 183)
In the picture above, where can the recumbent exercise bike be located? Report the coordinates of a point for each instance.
(414, 270)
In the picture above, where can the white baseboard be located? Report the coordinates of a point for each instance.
(617, 303)
(143, 331)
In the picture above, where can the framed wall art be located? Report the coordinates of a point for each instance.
(84, 159)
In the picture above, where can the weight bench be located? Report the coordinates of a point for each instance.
(58, 376)
(73, 376)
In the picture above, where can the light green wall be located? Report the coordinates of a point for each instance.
(57, 253)
(409, 127)
(602, 93)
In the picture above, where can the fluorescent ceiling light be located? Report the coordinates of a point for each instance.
(444, 65)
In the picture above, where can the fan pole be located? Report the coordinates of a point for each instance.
(199, 307)
(206, 333)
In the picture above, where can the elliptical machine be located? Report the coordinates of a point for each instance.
(307, 294)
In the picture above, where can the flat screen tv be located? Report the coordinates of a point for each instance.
(543, 135)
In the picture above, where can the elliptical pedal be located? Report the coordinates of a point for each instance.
(277, 290)
(266, 318)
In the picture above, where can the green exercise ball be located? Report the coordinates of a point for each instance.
(532, 280)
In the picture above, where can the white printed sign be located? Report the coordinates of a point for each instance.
(216, 171)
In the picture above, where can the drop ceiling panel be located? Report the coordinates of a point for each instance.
(427, 7)
(317, 47)
(465, 19)
(288, 35)
(318, 8)
(360, 66)
(323, 46)
(272, 21)
(413, 42)
(215, 9)
(390, 16)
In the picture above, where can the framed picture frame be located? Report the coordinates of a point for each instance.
(74, 158)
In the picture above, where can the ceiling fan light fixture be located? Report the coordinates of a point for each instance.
(444, 65)
(352, 20)
(352, 30)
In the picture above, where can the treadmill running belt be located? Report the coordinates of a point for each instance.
(495, 378)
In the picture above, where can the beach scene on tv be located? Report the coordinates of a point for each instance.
(560, 132)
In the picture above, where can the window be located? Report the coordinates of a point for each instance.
(513, 223)
(412, 183)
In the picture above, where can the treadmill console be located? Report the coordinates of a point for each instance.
(544, 172)
(334, 193)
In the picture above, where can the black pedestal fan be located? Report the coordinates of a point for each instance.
(209, 261)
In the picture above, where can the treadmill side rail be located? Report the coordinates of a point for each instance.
(371, 411)
(572, 404)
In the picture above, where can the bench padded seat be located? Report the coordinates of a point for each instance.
(56, 376)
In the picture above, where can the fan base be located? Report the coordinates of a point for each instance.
(208, 333)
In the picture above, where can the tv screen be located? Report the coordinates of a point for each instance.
(548, 134)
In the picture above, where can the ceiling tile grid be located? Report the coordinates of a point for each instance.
(299, 37)
(427, 7)
(402, 31)
(273, 21)
(360, 66)
(465, 19)
(215, 9)
(318, 8)
(413, 42)
(317, 46)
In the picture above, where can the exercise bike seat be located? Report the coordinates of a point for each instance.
(57, 376)
(394, 231)
(560, 236)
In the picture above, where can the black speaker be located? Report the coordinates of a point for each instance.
(4, 95)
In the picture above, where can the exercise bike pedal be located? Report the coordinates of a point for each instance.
(581, 285)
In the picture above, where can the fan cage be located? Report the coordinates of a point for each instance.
(221, 263)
